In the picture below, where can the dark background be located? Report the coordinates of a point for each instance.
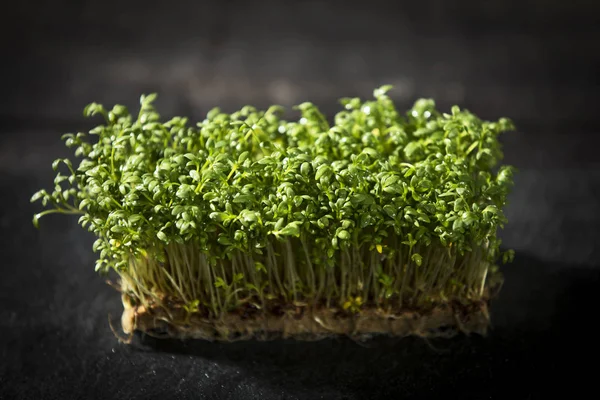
(535, 61)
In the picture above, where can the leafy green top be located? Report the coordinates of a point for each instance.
(238, 180)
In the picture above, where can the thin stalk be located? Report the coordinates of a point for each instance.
(290, 265)
(234, 272)
(343, 268)
(356, 260)
(272, 265)
(188, 267)
(322, 279)
(209, 281)
(370, 274)
(213, 278)
(309, 267)
(405, 277)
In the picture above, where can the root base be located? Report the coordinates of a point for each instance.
(443, 320)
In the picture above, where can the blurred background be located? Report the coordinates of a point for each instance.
(532, 60)
(535, 61)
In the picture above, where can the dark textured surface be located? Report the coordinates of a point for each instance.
(534, 61)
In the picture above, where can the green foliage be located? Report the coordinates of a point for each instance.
(193, 210)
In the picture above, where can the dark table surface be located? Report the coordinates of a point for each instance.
(534, 62)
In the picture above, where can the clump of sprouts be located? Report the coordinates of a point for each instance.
(379, 208)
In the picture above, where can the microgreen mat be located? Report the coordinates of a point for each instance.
(378, 208)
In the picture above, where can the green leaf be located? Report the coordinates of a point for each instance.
(457, 225)
(148, 99)
(117, 229)
(134, 218)
(411, 149)
(162, 236)
(382, 91)
(195, 175)
(347, 223)
(491, 209)
(279, 224)
(417, 259)
(469, 218)
(243, 157)
(390, 210)
(219, 216)
(305, 169)
(208, 196)
(343, 234)
(243, 198)
(291, 229)
(224, 240)
(267, 160)
(423, 217)
(370, 152)
(322, 170)
(37, 195)
(508, 256)
(361, 199)
(249, 216)
(390, 180)
(260, 267)
(219, 282)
